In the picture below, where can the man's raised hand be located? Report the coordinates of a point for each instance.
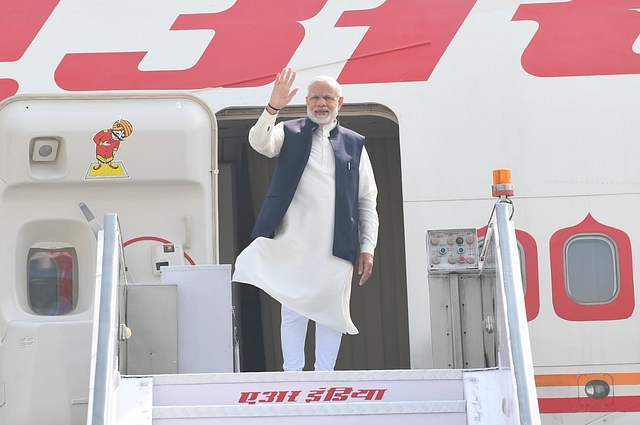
(282, 92)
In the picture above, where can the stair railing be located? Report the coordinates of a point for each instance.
(514, 350)
(104, 375)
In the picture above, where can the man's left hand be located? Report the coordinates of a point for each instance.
(365, 266)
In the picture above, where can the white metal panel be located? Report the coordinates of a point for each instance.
(250, 388)
(372, 397)
(135, 399)
(416, 413)
(205, 321)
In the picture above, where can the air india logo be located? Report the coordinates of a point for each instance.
(107, 144)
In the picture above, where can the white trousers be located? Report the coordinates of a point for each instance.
(293, 330)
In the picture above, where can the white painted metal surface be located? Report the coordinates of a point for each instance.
(303, 388)
(412, 397)
(134, 401)
(423, 413)
(375, 397)
(205, 317)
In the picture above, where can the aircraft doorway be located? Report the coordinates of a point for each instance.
(379, 308)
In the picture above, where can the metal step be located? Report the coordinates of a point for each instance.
(340, 397)
(416, 412)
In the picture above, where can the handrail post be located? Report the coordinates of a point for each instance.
(507, 250)
(104, 363)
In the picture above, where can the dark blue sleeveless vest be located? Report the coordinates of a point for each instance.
(347, 147)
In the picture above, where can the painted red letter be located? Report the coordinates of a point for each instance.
(8, 87)
(20, 22)
(253, 41)
(582, 37)
(396, 47)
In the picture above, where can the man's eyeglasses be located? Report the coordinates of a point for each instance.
(326, 97)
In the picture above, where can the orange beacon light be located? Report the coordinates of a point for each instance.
(502, 185)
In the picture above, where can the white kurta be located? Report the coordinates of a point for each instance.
(297, 267)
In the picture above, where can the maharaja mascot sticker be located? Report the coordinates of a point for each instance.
(107, 144)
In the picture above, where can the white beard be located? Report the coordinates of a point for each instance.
(333, 113)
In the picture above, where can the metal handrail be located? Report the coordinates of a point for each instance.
(104, 363)
(508, 266)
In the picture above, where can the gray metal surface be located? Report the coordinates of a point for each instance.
(516, 318)
(107, 274)
(359, 375)
(153, 319)
(336, 409)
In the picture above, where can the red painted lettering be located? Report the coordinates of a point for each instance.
(249, 397)
(8, 88)
(273, 396)
(582, 37)
(315, 395)
(372, 394)
(253, 41)
(293, 396)
(406, 47)
(338, 394)
(20, 22)
(268, 397)
(318, 395)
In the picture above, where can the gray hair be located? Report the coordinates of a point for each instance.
(325, 79)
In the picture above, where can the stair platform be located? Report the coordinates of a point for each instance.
(419, 396)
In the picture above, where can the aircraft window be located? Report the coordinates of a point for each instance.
(591, 272)
(52, 278)
(591, 275)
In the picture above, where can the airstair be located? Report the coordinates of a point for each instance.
(484, 371)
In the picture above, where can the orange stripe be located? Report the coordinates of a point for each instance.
(557, 380)
(572, 379)
(626, 378)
